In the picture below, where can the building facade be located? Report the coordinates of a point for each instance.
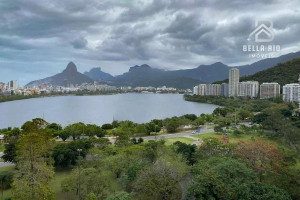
(248, 89)
(195, 90)
(269, 90)
(234, 77)
(13, 85)
(225, 89)
(200, 89)
(213, 90)
(290, 92)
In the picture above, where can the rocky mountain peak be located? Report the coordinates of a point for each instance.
(71, 68)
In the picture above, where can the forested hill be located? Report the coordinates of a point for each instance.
(282, 73)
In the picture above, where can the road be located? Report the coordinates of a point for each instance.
(188, 134)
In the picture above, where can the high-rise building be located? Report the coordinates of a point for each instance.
(13, 85)
(290, 92)
(195, 90)
(213, 90)
(200, 89)
(269, 90)
(248, 89)
(234, 78)
(224, 89)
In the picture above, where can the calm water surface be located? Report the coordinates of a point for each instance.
(98, 110)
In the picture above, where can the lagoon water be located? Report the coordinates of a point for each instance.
(101, 109)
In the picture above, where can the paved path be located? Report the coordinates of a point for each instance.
(187, 134)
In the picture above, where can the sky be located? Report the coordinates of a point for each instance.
(39, 38)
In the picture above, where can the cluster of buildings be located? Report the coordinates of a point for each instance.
(159, 89)
(12, 88)
(235, 88)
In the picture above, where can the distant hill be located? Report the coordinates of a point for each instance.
(69, 76)
(97, 74)
(204, 73)
(282, 73)
(144, 75)
(219, 71)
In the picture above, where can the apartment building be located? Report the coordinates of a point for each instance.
(269, 90)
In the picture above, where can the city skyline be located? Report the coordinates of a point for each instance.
(37, 39)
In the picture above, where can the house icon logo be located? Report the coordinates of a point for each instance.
(262, 29)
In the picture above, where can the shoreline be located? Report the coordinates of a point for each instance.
(10, 98)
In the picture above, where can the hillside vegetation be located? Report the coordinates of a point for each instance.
(282, 73)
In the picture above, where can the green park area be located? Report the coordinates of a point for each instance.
(250, 150)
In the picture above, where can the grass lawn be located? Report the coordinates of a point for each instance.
(204, 135)
(6, 193)
(170, 141)
(55, 184)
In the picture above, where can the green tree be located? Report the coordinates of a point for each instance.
(92, 130)
(172, 124)
(199, 121)
(191, 117)
(140, 129)
(121, 195)
(100, 183)
(227, 178)
(220, 112)
(91, 196)
(34, 125)
(107, 126)
(160, 181)
(75, 130)
(187, 150)
(244, 114)
(54, 127)
(10, 152)
(66, 154)
(34, 168)
(64, 135)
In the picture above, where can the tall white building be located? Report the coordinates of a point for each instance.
(269, 90)
(234, 77)
(290, 92)
(195, 90)
(200, 89)
(248, 89)
(13, 85)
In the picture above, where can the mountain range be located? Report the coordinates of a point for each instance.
(144, 75)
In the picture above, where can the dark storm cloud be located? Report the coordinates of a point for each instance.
(79, 43)
(38, 38)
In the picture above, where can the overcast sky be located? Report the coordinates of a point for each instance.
(38, 38)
